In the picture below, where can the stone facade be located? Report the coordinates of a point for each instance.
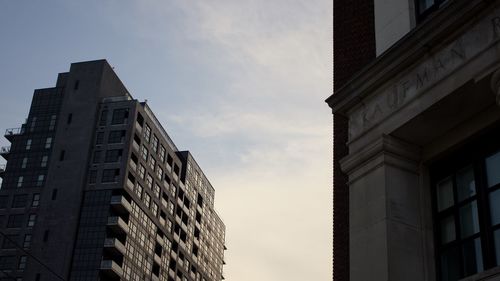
(423, 101)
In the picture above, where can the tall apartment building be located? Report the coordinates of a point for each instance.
(95, 189)
(416, 140)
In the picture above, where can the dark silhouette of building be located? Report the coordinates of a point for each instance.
(95, 189)
(416, 142)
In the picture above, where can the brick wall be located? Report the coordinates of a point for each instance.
(353, 48)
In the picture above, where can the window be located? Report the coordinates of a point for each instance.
(7, 262)
(76, 85)
(154, 209)
(466, 193)
(44, 161)
(39, 181)
(152, 163)
(162, 153)
(104, 118)
(35, 202)
(159, 172)
(70, 118)
(61, 155)
(20, 181)
(157, 190)
(9, 241)
(110, 175)
(15, 221)
(170, 160)
(22, 262)
(52, 124)
(4, 199)
(113, 155)
(425, 7)
(54, 194)
(149, 181)
(27, 241)
(138, 190)
(28, 144)
(99, 139)
(33, 124)
(119, 116)
(92, 176)
(147, 199)
(97, 156)
(48, 142)
(142, 171)
(147, 133)
(144, 153)
(116, 136)
(31, 220)
(24, 163)
(154, 144)
(19, 201)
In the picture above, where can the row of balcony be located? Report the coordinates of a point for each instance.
(2, 170)
(12, 132)
(4, 152)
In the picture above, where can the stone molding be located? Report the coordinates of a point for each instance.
(386, 150)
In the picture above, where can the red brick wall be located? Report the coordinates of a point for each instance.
(353, 48)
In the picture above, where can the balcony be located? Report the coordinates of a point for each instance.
(12, 132)
(2, 170)
(120, 204)
(118, 225)
(111, 269)
(4, 152)
(114, 246)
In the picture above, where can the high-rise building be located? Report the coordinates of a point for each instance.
(416, 140)
(95, 189)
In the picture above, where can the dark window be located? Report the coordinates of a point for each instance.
(4, 199)
(20, 201)
(170, 160)
(99, 138)
(97, 156)
(54, 194)
(119, 116)
(15, 221)
(116, 136)
(466, 196)
(27, 241)
(61, 156)
(70, 118)
(37, 277)
(35, 202)
(7, 262)
(425, 7)
(9, 242)
(92, 176)
(113, 155)
(104, 118)
(76, 85)
(110, 175)
(46, 235)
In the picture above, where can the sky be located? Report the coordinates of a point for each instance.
(240, 84)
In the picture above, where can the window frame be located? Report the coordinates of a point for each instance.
(473, 153)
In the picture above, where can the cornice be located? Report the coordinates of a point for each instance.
(427, 38)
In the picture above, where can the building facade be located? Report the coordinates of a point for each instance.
(95, 189)
(416, 122)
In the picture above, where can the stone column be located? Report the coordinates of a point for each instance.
(385, 231)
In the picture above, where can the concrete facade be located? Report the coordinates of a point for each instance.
(430, 96)
(109, 197)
